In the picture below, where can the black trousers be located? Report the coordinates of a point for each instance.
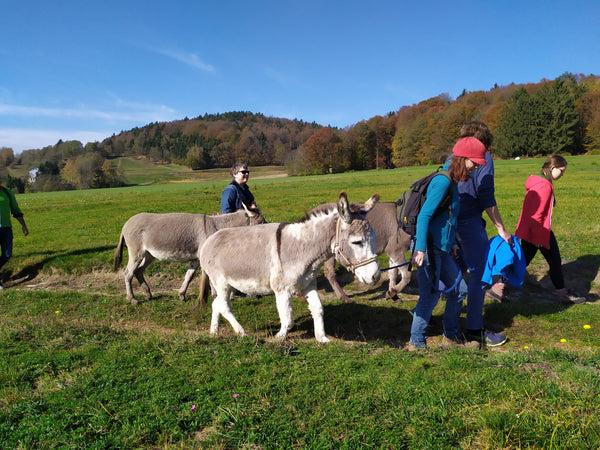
(551, 255)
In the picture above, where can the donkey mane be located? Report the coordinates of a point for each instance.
(321, 210)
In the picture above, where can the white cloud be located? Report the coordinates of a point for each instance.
(190, 59)
(76, 123)
(145, 113)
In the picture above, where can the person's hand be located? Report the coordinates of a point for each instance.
(418, 258)
(25, 230)
(506, 236)
(454, 251)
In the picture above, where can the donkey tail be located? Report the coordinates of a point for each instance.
(119, 253)
(203, 294)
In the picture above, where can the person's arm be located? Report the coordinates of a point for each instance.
(23, 225)
(494, 216)
(487, 197)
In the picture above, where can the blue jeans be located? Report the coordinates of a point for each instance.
(473, 244)
(6, 244)
(442, 267)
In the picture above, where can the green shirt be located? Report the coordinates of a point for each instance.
(8, 206)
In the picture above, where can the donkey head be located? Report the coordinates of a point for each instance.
(355, 239)
(253, 214)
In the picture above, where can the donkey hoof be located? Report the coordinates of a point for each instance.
(323, 340)
(392, 295)
(345, 299)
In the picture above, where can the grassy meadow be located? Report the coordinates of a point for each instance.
(82, 368)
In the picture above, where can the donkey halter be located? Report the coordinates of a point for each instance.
(338, 252)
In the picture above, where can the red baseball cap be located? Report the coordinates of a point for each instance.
(471, 148)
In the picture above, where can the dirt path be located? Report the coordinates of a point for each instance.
(582, 277)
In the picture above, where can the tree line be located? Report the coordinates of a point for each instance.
(552, 116)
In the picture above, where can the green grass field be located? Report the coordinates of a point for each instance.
(82, 368)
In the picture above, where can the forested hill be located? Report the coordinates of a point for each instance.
(215, 140)
(551, 116)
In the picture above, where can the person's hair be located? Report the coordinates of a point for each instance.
(550, 163)
(458, 169)
(479, 130)
(238, 165)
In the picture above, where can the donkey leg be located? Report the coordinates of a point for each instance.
(192, 267)
(222, 307)
(139, 274)
(316, 309)
(284, 308)
(406, 275)
(392, 277)
(329, 272)
(133, 266)
(128, 276)
(395, 288)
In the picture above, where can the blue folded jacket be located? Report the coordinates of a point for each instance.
(502, 259)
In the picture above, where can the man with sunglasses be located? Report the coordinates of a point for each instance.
(237, 191)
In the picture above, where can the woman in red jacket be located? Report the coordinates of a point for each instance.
(534, 227)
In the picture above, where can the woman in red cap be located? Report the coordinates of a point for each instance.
(477, 194)
(436, 248)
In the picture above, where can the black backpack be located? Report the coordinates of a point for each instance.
(410, 202)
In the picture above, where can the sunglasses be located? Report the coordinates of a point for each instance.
(244, 172)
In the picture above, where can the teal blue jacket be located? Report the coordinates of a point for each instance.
(8, 206)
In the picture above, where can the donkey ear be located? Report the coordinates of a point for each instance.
(252, 210)
(344, 208)
(371, 202)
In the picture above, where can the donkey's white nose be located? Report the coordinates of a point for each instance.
(369, 274)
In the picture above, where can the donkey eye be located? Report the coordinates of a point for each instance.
(359, 243)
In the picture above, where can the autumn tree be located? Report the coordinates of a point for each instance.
(589, 108)
(196, 158)
(322, 152)
(7, 156)
(91, 171)
(414, 128)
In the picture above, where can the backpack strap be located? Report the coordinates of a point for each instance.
(447, 201)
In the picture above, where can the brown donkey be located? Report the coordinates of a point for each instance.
(389, 239)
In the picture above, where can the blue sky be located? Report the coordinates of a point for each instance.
(85, 70)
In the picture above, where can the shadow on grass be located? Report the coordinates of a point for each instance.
(538, 298)
(363, 322)
(31, 271)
